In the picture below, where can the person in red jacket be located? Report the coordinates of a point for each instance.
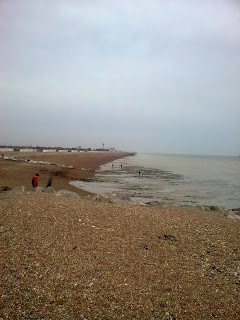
(35, 180)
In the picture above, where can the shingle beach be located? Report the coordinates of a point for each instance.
(79, 258)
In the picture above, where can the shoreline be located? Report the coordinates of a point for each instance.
(63, 167)
(115, 182)
(70, 256)
(18, 168)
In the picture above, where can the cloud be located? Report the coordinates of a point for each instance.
(137, 67)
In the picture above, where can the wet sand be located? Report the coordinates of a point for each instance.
(20, 173)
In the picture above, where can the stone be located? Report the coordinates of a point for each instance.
(233, 215)
(12, 193)
(123, 197)
(236, 211)
(49, 190)
(214, 208)
(38, 189)
(102, 198)
(68, 194)
(154, 204)
(5, 188)
(19, 189)
(112, 197)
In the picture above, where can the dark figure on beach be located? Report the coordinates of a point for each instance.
(121, 166)
(49, 183)
(139, 172)
(35, 180)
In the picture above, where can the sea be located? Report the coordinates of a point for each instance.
(186, 180)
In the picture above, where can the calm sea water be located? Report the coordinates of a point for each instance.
(187, 180)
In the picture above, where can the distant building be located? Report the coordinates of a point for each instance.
(6, 149)
(49, 150)
(28, 150)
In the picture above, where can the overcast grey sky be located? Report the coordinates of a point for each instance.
(145, 76)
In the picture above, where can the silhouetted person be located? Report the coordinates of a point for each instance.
(121, 166)
(35, 180)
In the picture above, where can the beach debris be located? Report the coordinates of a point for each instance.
(167, 237)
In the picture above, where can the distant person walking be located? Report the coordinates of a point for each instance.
(49, 183)
(35, 180)
(121, 166)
